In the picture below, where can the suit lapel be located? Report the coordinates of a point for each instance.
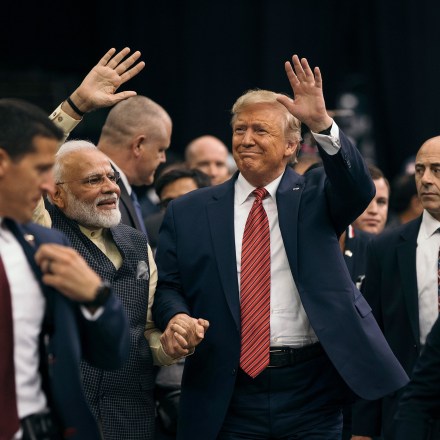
(221, 223)
(406, 256)
(126, 200)
(27, 242)
(288, 198)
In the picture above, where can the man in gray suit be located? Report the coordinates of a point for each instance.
(85, 208)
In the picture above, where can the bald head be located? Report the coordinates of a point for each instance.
(427, 174)
(210, 155)
(136, 134)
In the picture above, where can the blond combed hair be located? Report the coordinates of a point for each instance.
(260, 96)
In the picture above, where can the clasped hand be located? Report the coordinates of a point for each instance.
(183, 334)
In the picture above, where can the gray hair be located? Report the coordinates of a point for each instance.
(67, 148)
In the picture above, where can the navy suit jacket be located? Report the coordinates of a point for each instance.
(68, 337)
(198, 275)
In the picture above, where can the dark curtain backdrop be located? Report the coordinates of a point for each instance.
(201, 55)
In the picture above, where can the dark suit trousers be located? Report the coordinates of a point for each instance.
(302, 401)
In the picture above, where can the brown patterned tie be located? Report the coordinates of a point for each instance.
(9, 422)
(255, 289)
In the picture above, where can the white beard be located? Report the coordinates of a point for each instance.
(88, 215)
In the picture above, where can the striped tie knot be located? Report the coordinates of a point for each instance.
(260, 194)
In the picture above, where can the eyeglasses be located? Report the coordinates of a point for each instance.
(95, 180)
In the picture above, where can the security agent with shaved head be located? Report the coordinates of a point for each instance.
(210, 155)
(55, 310)
(135, 136)
(401, 285)
(289, 338)
(85, 208)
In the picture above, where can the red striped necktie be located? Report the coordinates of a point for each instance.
(255, 289)
(9, 423)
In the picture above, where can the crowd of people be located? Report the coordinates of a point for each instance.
(266, 295)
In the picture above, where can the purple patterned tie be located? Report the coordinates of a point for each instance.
(255, 289)
(438, 279)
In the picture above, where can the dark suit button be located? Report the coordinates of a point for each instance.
(234, 371)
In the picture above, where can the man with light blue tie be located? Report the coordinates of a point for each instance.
(135, 136)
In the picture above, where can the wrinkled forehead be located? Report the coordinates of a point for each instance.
(84, 163)
(264, 113)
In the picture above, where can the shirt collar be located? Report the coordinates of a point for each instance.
(91, 234)
(429, 224)
(243, 189)
(123, 177)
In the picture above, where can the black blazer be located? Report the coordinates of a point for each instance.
(418, 415)
(391, 291)
(128, 212)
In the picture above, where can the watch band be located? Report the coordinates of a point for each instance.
(102, 294)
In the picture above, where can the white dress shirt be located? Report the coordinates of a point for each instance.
(289, 324)
(428, 244)
(28, 306)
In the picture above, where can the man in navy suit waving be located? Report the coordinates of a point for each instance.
(55, 309)
(316, 333)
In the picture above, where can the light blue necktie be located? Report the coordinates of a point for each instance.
(138, 210)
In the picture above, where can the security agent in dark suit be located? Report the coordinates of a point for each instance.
(402, 288)
(61, 310)
(135, 136)
(418, 414)
(323, 336)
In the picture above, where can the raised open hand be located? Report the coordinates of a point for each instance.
(308, 104)
(98, 89)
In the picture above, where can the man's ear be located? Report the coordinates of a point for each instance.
(292, 149)
(58, 197)
(137, 146)
(5, 161)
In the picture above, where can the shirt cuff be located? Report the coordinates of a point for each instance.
(331, 144)
(63, 120)
(91, 316)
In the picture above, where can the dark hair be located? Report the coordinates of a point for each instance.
(200, 178)
(376, 174)
(20, 122)
(404, 189)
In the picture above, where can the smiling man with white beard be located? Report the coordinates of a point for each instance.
(85, 207)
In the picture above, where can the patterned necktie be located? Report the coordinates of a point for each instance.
(255, 289)
(137, 208)
(9, 423)
(438, 278)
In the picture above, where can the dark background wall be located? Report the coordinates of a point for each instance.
(201, 55)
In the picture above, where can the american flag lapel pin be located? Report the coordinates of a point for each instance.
(30, 239)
